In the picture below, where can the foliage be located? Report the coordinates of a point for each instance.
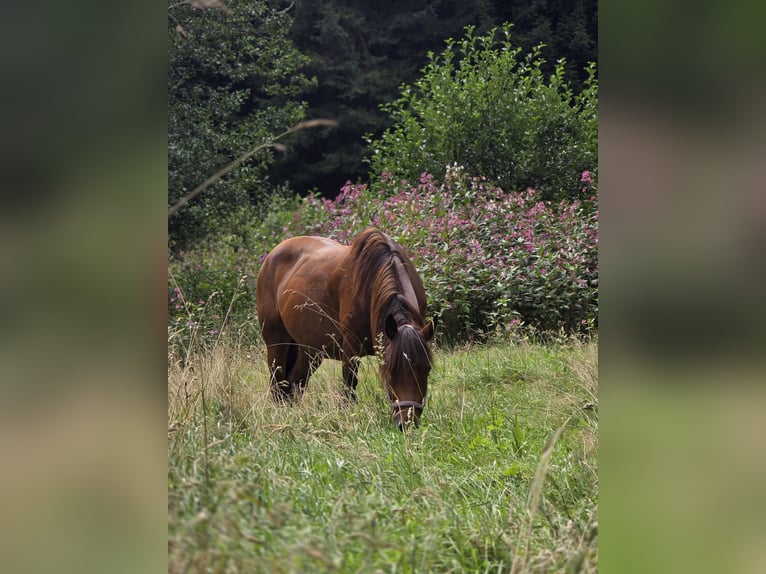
(490, 260)
(211, 283)
(361, 52)
(233, 81)
(319, 488)
(483, 105)
(566, 28)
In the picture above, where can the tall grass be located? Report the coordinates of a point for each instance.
(501, 475)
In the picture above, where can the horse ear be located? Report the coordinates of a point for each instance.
(428, 330)
(391, 327)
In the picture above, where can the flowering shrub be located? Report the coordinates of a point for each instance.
(489, 259)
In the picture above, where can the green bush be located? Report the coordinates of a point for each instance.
(482, 105)
(489, 259)
(211, 284)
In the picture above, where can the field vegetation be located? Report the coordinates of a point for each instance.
(501, 476)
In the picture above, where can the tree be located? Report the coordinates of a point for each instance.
(362, 52)
(233, 81)
(567, 29)
(485, 106)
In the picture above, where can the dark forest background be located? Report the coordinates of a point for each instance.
(361, 52)
(243, 71)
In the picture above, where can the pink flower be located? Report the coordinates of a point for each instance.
(586, 177)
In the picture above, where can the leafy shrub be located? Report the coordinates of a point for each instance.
(482, 105)
(489, 259)
(211, 285)
(209, 290)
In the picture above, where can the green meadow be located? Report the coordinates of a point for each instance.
(501, 475)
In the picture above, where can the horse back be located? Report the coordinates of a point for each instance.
(297, 292)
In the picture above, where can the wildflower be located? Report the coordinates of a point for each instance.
(586, 177)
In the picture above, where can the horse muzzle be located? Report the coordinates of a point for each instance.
(406, 414)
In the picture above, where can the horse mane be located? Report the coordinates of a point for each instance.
(372, 260)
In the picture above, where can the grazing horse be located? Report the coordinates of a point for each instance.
(317, 298)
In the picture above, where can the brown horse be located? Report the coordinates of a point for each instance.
(317, 298)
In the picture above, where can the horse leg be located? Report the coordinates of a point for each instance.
(301, 370)
(280, 357)
(350, 377)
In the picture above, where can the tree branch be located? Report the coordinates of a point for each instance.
(308, 124)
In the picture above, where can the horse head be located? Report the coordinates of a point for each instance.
(407, 361)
